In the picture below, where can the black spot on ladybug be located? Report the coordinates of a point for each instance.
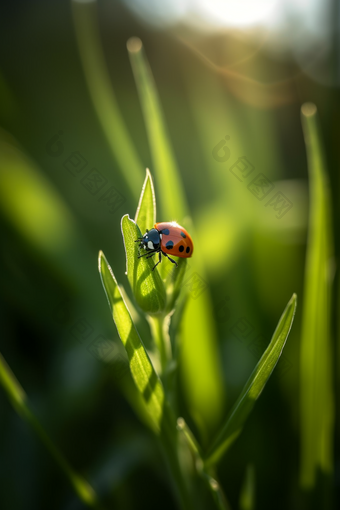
(181, 248)
(166, 232)
(183, 235)
(188, 249)
(169, 245)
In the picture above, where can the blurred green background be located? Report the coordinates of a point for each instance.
(220, 70)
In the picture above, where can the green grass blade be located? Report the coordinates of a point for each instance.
(49, 227)
(41, 218)
(208, 476)
(142, 371)
(254, 386)
(147, 285)
(247, 496)
(19, 401)
(102, 95)
(199, 354)
(205, 395)
(146, 210)
(317, 404)
(217, 494)
(161, 151)
(145, 378)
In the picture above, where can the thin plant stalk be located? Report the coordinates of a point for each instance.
(317, 399)
(103, 98)
(19, 401)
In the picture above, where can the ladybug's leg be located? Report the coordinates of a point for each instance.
(149, 253)
(159, 260)
(173, 261)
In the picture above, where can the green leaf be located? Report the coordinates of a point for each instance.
(253, 388)
(145, 378)
(19, 401)
(145, 219)
(317, 400)
(146, 210)
(105, 104)
(205, 395)
(142, 371)
(147, 285)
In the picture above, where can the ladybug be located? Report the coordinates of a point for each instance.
(164, 238)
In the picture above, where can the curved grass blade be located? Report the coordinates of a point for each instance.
(162, 155)
(216, 491)
(317, 400)
(254, 386)
(147, 285)
(146, 210)
(102, 95)
(20, 403)
(49, 227)
(42, 219)
(146, 379)
(208, 476)
(142, 371)
(205, 395)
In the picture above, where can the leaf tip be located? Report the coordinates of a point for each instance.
(148, 179)
(125, 215)
(293, 300)
(134, 45)
(148, 175)
(180, 424)
(122, 221)
(308, 109)
(100, 257)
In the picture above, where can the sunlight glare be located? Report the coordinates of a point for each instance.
(235, 12)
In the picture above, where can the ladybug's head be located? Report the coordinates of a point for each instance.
(150, 241)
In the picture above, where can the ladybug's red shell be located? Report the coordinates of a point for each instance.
(175, 239)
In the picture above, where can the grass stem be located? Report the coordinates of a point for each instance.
(18, 399)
